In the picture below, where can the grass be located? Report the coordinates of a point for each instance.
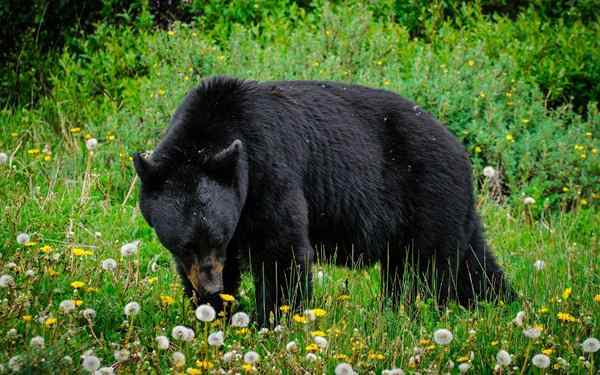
(79, 207)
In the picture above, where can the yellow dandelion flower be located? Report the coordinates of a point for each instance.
(300, 319)
(152, 280)
(91, 290)
(242, 331)
(341, 357)
(77, 284)
(566, 293)
(46, 249)
(79, 252)
(319, 313)
(110, 137)
(312, 347)
(27, 318)
(471, 62)
(167, 300)
(548, 351)
(565, 189)
(343, 297)
(50, 322)
(566, 317)
(543, 310)
(248, 368)
(482, 94)
(424, 342)
(77, 302)
(205, 365)
(193, 371)
(75, 130)
(386, 82)
(284, 308)
(227, 297)
(477, 149)
(376, 356)
(583, 202)
(161, 92)
(171, 33)
(464, 358)
(318, 333)
(52, 272)
(33, 151)
(510, 138)
(47, 157)
(597, 298)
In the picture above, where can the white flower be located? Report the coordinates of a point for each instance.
(66, 306)
(310, 315)
(532, 333)
(37, 342)
(11, 266)
(89, 313)
(130, 249)
(30, 273)
(394, 371)
(105, 371)
(540, 361)
(311, 357)
(528, 201)
(240, 319)
(3, 158)
(291, 347)
(91, 144)
(251, 357)
(206, 313)
(503, 358)
(321, 342)
(216, 338)
(15, 363)
(183, 333)
(344, 369)
(278, 328)
(178, 359)
(132, 308)
(90, 363)
(489, 172)
(162, 342)
(229, 356)
(7, 281)
(590, 345)
(464, 367)
(121, 355)
(442, 336)
(263, 331)
(109, 265)
(518, 320)
(23, 238)
(539, 265)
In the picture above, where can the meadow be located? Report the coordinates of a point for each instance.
(85, 286)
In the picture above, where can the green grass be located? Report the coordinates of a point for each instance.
(122, 90)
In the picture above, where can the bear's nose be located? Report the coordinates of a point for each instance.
(205, 275)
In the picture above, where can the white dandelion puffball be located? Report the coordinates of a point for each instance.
(30, 273)
(121, 355)
(344, 369)
(251, 357)
(310, 315)
(291, 347)
(263, 331)
(90, 363)
(394, 371)
(206, 313)
(178, 359)
(15, 363)
(183, 333)
(278, 328)
(489, 172)
(162, 342)
(23, 238)
(132, 308)
(532, 333)
(321, 342)
(106, 371)
(540, 361)
(442, 336)
(216, 338)
(109, 265)
(539, 265)
(91, 144)
(240, 319)
(311, 357)
(67, 306)
(89, 313)
(528, 201)
(37, 342)
(503, 358)
(229, 356)
(3, 158)
(591, 345)
(11, 266)
(130, 249)
(7, 281)
(464, 367)
(518, 320)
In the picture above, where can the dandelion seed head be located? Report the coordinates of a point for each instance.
(216, 338)
(162, 342)
(251, 357)
(539, 265)
(205, 313)
(67, 306)
(15, 363)
(590, 345)
(393, 371)
(23, 238)
(37, 342)
(291, 347)
(240, 319)
(310, 315)
(130, 248)
(11, 266)
(90, 363)
(503, 358)
(489, 172)
(109, 265)
(91, 144)
(528, 201)
(7, 281)
(321, 342)
(121, 355)
(442, 336)
(178, 359)
(540, 361)
(278, 328)
(3, 158)
(183, 333)
(532, 333)
(518, 320)
(89, 313)
(229, 356)
(106, 371)
(132, 308)
(344, 369)
(311, 357)
(464, 367)
(30, 273)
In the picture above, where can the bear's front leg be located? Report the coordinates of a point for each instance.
(281, 267)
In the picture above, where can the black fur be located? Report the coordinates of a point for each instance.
(267, 172)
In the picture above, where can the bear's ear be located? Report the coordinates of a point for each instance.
(145, 169)
(227, 159)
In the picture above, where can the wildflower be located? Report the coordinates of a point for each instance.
(464, 367)
(91, 144)
(597, 298)
(183, 333)
(67, 306)
(312, 347)
(319, 313)
(518, 320)
(50, 322)
(33, 151)
(590, 345)
(344, 369)
(566, 317)
(489, 172)
(108, 370)
(532, 333)
(503, 358)
(376, 356)
(510, 138)
(566, 293)
(229, 356)
(46, 249)
(109, 265)
(343, 298)
(477, 149)
(442, 336)
(162, 342)
(227, 297)
(90, 363)
(75, 130)
(89, 313)
(77, 284)
(540, 361)
(27, 318)
(284, 308)
(23, 238)
(3, 158)
(15, 363)
(251, 357)
(263, 331)
(291, 347)
(79, 252)
(130, 248)
(278, 328)
(178, 359)
(216, 338)
(299, 319)
(394, 371)
(310, 315)
(205, 313)
(131, 309)
(7, 281)
(204, 365)
(37, 342)
(539, 265)
(311, 357)
(30, 273)
(121, 355)
(167, 300)
(248, 368)
(240, 319)
(321, 342)
(318, 333)
(528, 201)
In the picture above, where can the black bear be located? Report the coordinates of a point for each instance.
(265, 172)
